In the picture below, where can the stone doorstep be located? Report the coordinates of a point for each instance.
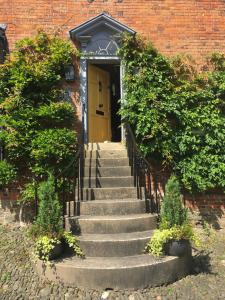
(132, 272)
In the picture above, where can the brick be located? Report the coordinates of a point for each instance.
(200, 23)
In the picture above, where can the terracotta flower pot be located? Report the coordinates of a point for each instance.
(177, 248)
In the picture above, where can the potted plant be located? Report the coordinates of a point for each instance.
(175, 233)
(48, 228)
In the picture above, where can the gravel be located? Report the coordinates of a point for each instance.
(19, 281)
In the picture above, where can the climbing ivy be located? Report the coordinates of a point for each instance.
(38, 135)
(177, 112)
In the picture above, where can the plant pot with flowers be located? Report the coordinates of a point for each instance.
(175, 234)
(47, 230)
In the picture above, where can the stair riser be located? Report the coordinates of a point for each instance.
(105, 146)
(114, 208)
(113, 249)
(107, 172)
(106, 154)
(107, 182)
(123, 162)
(117, 226)
(108, 193)
(140, 277)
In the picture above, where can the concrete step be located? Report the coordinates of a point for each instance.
(129, 272)
(107, 171)
(114, 245)
(123, 181)
(70, 209)
(116, 224)
(112, 207)
(109, 193)
(105, 146)
(108, 154)
(105, 162)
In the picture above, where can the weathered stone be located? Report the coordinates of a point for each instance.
(68, 296)
(45, 292)
(105, 295)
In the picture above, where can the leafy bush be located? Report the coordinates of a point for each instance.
(72, 242)
(38, 135)
(28, 193)
(59, 114)
(176, 112)
(160, 237)
(7, 173)
(52, 149)
(172, 213)
(44, 245)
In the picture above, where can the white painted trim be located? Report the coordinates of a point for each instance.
(96, 58)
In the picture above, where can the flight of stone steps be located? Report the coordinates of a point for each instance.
(114, 229)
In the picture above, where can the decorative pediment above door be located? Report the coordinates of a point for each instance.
(100, 35)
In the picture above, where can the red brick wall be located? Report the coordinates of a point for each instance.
(210, 206)
(196, 27)
(193, 26)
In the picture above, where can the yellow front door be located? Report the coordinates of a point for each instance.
(99, 110)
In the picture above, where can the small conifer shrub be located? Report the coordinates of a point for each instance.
(173, 212)
(49, 217)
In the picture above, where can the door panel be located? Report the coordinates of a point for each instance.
(99, 110)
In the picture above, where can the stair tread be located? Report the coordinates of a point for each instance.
(112, 188)
(116, 237)
(110, 144)
(110, 200)
(108, 167)
(107, 178)
(107, 150)
(94, 159)
(125, 200)
(117, 217)
(113, 262)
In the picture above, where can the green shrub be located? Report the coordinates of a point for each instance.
(7, 173)
(44, 245)
(59, 114)
(173, 212)
(53, 149)
(176, 112)
(49, 218)
(28, 193)
(174, 223)
(48, 230)
(160, 237)
(32, 107)
(72, 242)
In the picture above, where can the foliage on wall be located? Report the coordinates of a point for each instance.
(176, 112)
(38, 135)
